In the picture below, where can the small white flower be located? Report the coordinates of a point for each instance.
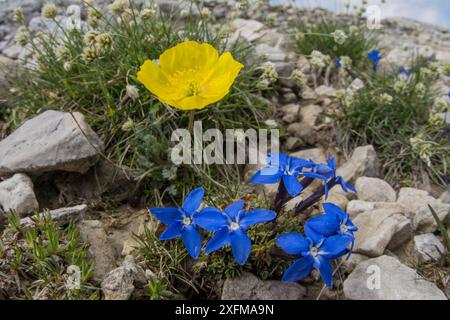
(269, 72)
(49, 11)
(386, 98)
(271, 123)
(128, 125)
(298, 77)
(400, 87)
(18, 15)
(339, 36)
(346, 62)
(132, 92)
(67, 66)
(318, 59)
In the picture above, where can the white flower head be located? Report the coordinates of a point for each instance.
(49, 11)
(339, 36)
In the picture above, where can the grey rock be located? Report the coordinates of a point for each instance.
(100, 249)
(376, 229)
(396, 282)
(290, 112)
(62, 215)
(413, 199)
(118, 284)
(315, 154)
(307, 93)
(374, 189)
(348, 265)
(423, 221)
(427, 247)
(310, 113)
(273, 54)
(52, 141)
(303, 131)
(249, 287)
(325, 91)
(16, 193)
(364, 162)
(246, 29)
(355, 207)
(445, 197)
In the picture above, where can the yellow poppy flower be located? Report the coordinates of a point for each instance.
(190, 75)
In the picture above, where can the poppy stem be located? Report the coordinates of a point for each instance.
(316, 196)
(191, 120)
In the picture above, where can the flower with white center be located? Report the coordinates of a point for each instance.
(49, 11)
(339, 36)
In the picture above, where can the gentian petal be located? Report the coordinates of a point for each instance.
(335, 211)
(241, 246)
(292, 185)
(332, 163)
(193, 200)
(299, 270)
(211, 219)
(220, 239)
(325, 224)
(192, 240)
(334, 246)
(172, 231)
(267, 175)
(299, 163)
(293, 243)
(313, 235)
(233, 209)
(256, 216)
(166, 215)
(279, 160)
(326, 271)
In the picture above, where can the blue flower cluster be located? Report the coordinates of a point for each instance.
(328, 237)
(288, 169)
(229, 225)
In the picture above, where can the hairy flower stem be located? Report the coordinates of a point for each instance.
(283, 196)
(311, 200)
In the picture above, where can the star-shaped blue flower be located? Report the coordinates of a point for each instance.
(316, 253)
(375, 57)
(327, 172)
(280, 166)
(338, 63)
(333, 221)
(182, 222)
(230, 226)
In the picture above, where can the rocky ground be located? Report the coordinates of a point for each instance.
(54, 161)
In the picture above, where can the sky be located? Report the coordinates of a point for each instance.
(435, 12)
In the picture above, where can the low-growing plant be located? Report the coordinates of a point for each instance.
(39, 260)
(93, 69)
(336, 38)
(399, 112)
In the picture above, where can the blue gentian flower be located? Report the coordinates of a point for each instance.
(375, 57)
(338, 63)
(327, 172)
(333, 221)
(230, 226)
(280, 166)
(182, 222)
(316, 253)
(405, 71)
